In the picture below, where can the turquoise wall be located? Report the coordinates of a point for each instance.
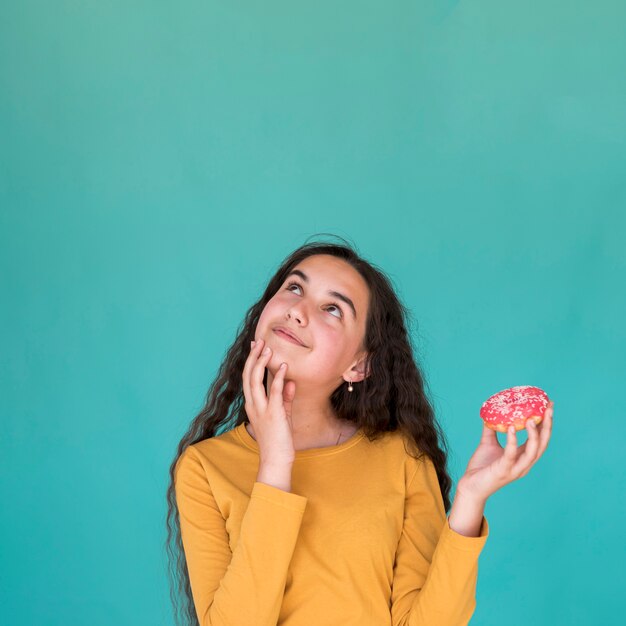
(159, 159)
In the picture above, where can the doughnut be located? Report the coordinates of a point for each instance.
(514, 406)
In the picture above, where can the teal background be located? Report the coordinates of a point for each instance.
(157, 162)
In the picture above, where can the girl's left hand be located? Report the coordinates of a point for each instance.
(492, 466)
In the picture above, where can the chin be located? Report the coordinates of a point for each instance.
(274, 363)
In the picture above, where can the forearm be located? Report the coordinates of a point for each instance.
(256, 569)
(466, 514)
(448, 595)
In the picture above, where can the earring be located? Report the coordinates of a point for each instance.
(350, 387)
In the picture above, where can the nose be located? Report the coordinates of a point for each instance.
(297, 316)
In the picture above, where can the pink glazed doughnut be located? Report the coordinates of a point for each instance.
(514, 406)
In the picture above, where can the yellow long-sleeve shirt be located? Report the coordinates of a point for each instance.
(362, 539)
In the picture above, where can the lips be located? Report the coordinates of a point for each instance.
(288, 332)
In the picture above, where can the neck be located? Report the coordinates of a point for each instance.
(314, 422)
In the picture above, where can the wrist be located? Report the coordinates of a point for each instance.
(465, 492)
(275, 463)
(466, 514)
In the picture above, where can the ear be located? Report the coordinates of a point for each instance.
(356, 372)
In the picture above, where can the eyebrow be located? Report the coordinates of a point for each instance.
(335, 294)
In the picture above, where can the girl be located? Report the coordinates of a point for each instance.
(324, 500)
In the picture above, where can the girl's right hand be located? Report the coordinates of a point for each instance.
(270, 417)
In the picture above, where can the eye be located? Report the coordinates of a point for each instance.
(332, 304)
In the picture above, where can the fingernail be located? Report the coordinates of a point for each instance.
(252, 344)
(266, 351)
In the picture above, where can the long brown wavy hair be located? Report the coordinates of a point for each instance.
(392, 397)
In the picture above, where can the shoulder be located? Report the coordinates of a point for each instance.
(398, 453)
(212, 459)
(396, 442)
(215, 446)
(188, 465)
(203, 452)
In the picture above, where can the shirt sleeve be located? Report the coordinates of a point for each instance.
(436, 568)
(246, 585)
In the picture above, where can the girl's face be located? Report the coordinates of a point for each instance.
(330, 330)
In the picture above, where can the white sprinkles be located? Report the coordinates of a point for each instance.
(515, 403)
